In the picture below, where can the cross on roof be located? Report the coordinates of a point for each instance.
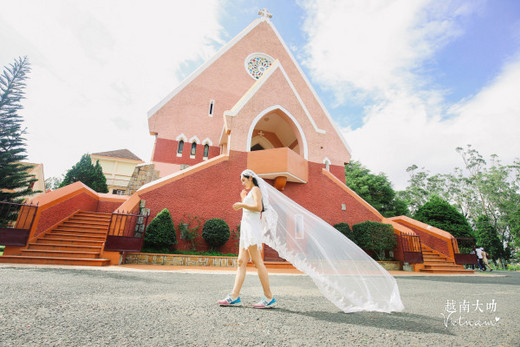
(265, 13)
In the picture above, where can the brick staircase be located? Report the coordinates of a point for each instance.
(435, 262)
(76, 241)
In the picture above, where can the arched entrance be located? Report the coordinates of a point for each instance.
(272, 131)
(275, 127)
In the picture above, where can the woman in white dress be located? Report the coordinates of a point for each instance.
(251, 231)
(347, 276)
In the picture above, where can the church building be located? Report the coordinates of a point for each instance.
(249, 106)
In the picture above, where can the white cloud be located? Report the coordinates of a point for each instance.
(98, 67)
(366, 50)
(401, 132)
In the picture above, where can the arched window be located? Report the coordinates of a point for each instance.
(206, 151)
(180, 147)
(193, 148)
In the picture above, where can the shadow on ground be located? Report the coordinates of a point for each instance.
(396, 321)
(509, 278)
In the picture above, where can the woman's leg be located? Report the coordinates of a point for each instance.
(243, 258)
(256, 257)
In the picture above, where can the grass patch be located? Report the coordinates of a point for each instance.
(2, 250)
(209, 253)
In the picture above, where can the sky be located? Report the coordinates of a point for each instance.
(406, 81)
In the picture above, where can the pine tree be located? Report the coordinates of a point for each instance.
(15, 182)
(90, 175)
(440, 214)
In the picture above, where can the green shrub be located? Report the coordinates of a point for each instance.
(160, 234)
(440, 214)
(344, 228)
(215, 232)
(376, 237)
(189, 229)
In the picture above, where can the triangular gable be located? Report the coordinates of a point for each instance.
(240, 121)
(258, 84)
(226, 48)
(204, 66)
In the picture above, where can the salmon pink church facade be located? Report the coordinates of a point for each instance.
(250, 106)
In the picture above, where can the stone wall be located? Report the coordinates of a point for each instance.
(143, 174)
(180, 260)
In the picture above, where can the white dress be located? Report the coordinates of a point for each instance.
(250, 226)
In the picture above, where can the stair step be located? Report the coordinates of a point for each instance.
(65, 246)
(53, 260)
(93, 215)
(59, 253)
(94, 218)
(434, 258)
(443, 267)
(71, 230)
(436, 261)
(75, 225)
(73, 241)
(57, 235)
(447, 271)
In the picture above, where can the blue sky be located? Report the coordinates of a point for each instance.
(406, 81)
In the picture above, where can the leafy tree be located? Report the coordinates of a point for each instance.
(160, 234)
(376, 237)
(90, 175)
(481, 187)
(15, 182)
(374, 189)
(514, 222)
(440, 214)
(53, 183)
(487, 237)
(215, 232)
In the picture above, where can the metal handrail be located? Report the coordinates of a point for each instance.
(412, 248)
(16, 221)
(126, 232)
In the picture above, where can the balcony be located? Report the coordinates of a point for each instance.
(279, 164)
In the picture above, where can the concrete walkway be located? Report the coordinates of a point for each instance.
(137, 305)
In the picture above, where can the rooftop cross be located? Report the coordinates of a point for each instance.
(265, 13)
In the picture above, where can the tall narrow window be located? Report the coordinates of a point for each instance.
(211, 105)
(206, 151)
(180, 147)
(193, 149)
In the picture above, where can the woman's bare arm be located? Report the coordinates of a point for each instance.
(257, 197)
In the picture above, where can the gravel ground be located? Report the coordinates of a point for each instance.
(64, 306)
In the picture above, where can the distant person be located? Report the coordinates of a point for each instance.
(480, 258)
(485, 259)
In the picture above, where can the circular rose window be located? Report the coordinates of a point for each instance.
(257, 64)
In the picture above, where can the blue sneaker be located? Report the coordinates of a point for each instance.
(265, 303)
(229, 301)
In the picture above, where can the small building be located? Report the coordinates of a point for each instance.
(118, 167)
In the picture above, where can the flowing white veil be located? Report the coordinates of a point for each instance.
(343, 272)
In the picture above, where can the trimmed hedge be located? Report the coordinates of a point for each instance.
(215, 232)
(344, 228)
(160, 233)
(374, 236)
